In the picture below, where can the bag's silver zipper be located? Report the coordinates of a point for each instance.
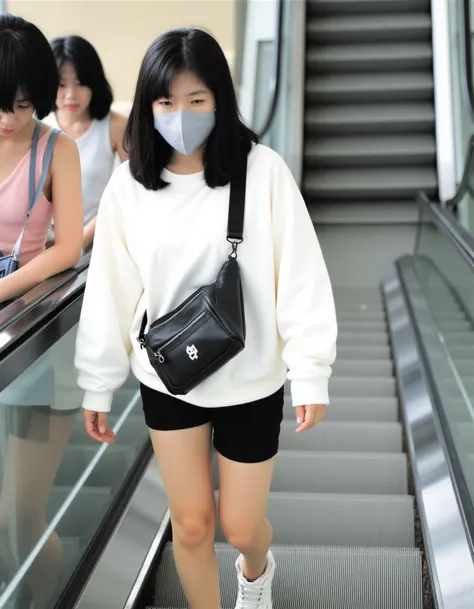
(178, 311)
(159, 354)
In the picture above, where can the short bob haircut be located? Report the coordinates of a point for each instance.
(26, 64)
(89, 69)
(169, 55)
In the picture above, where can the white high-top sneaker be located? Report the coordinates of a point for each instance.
(257, 594)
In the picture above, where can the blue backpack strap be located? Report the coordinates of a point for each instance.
(32, 195)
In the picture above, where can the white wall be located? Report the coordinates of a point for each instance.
(260, 26)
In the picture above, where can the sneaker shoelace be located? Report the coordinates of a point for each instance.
(251, 597)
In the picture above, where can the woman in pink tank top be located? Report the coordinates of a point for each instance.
(28, 85)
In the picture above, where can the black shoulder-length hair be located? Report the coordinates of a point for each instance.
(198, 52)
(89, 69)
(27, 64)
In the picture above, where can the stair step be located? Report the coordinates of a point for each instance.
(370, 184)
(363, 387)
(337, 88)
(368, 119)
(340, 520)
(370, 28)
(368, 338)
(361, 326)
(363, 351)
(369, 57)
(356, 367)
(356, 315)
(307, 577)
(300, 471)
(344, 436)
(346, 409)
(347, 7)
(370, 151)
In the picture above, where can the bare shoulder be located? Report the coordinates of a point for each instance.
(65, 150)
(117, 121)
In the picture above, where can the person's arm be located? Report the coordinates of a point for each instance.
(68, 219)
(117, 128)
(118, 122)
(306, 314)
(88, 233)
(113, 290)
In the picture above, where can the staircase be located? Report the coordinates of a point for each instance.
(369, 117)
(343, 519)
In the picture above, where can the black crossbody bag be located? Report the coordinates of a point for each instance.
(192, 342)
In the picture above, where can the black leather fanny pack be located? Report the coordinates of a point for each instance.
(192, 342)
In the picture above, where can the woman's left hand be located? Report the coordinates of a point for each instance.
(310, 415)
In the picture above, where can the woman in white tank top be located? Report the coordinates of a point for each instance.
(83, 112)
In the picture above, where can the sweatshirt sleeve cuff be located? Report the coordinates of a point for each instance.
(98, 402)
(305, 392)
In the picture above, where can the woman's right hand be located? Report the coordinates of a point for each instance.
(96, 426)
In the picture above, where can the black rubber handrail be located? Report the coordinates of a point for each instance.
(466, 56)
(448, 225)
(467, 181)
(276, 77)
(20, 307)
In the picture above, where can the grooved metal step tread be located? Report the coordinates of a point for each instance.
(340, 520)
(377, 87)
(370, 28)
(374, 57)
(348, 409)
(376, 149)
(307, 577)
(364, 351)
(375, 183)
(366, 6)
(370, 118)
(364, 325)
(340, 472)
(368, 338)
(362, 387)
(344, 436)
(356, 367)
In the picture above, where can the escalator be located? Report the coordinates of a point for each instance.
(342, 515)
(374, 507)
(369, 117)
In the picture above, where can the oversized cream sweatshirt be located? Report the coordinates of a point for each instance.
(153, 249)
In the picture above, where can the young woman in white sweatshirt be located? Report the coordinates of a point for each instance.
(160, 235)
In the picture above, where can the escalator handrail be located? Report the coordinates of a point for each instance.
(466, 56)
(55, 297)
(276, 76)
(466, 185)
(36, 296)
(449, 226)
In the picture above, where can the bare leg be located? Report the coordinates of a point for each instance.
(184, 462)
(30, 467)
(243, 498)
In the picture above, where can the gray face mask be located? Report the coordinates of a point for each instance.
(185, 131)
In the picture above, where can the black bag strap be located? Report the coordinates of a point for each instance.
(235, 227)
(235, 224)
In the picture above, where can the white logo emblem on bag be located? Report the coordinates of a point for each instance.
(192, 352)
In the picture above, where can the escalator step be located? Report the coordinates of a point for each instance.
(355, 409)
(367, 119)
(312, 577)
(340, 520)
(331, 7)
(370, 28)
(344, 436)
(337, 472)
